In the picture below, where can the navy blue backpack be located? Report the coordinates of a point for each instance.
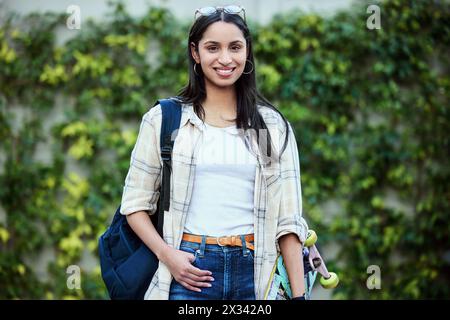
(127, 264)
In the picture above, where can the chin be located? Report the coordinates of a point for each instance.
(222, 82)
(225, 84)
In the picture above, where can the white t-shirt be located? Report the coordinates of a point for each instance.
(222, 197)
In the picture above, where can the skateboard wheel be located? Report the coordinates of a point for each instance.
(331, 282)
(312, 238)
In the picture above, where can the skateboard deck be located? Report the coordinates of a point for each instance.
(279, 287)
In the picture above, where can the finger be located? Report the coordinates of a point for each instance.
(199, 272)
(199, 279)
(191, 258)
(189, 287)
(197, 284)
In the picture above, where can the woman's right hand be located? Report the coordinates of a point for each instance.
(180, 266)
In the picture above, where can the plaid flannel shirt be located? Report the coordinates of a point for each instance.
(277, 191)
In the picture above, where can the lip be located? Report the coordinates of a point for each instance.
(224, 75)
(227, 68)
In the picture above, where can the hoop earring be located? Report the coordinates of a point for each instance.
(250, 70)
(195, 71)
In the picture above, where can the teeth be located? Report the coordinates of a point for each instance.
(221, 71)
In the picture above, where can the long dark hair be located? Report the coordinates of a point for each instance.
(247, 94)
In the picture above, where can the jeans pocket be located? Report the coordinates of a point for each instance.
(190, 250)
(250, 254)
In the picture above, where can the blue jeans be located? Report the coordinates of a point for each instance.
(232, 269)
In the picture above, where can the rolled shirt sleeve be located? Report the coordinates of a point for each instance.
(290, 218)
(142, 183)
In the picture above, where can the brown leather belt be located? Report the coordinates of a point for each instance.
(222, 241)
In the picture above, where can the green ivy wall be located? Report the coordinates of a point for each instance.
(370, 109)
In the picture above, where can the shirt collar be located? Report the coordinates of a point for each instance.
(188, 114)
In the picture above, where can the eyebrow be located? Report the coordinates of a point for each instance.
(215, 42)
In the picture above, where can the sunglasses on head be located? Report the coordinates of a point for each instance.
(231, 9)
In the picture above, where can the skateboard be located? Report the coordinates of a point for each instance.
(279, 287)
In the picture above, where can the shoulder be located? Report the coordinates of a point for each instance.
(272, 117)
(267, 112)
(152, 118)
(154, 113)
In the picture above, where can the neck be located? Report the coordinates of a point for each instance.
(220, 100)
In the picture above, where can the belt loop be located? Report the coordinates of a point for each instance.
(202, 246)
(245, 251)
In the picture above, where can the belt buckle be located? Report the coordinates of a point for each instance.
(218, 241)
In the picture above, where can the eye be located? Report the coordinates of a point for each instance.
(236, 48)
(212, 48)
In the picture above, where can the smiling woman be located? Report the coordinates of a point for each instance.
(223, 231)
(221, 55)
(230, 56)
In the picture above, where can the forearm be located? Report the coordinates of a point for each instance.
(291, 250)
(142, 225)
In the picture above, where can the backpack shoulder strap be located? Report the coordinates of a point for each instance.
(171, 117)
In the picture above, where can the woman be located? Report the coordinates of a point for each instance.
(235, 196)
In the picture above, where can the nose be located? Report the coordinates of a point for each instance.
(225, 58)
